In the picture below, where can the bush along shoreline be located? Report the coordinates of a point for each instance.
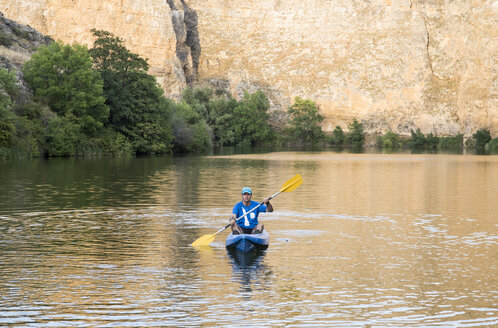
(101, 101)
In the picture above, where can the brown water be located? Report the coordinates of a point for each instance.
(367, 241)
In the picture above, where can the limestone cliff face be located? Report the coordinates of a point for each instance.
(393, 64)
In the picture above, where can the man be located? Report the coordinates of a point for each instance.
(248, 224)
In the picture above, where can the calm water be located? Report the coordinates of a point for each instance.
(367, 241)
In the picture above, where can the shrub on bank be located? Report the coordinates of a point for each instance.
(492, 146)
(432, 141)
(62, 137)
(356, 135)
(422, 142)
(338, 137)
(304, 124)
(481, 138)
(190, 130)
(454, 143)
(389, 141)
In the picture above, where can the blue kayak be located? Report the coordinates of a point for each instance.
(248, 242)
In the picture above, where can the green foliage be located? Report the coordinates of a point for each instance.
(251, 125)
(199, 99)
(8, 88)
(110, 54)
(222, 120)
(29, 137)
(419, 141)
(338, 137)
(111, 142)
(356, 135)
(389, 141)
(454, 143)
(481, 138)
(432, 141)
(7, 127)
(62, 137)
(21, 130)
(190, 130)
(62, 77)
(305, 121)
(231, 123)
(138, 109)
(492, 146)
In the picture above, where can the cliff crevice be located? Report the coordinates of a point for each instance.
(188, 47)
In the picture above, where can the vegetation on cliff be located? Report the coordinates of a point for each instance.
(102, 101)
(304, 124)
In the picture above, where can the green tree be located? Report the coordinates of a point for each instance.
(7, 127)
(138, 109)
(389, 141)
(338, 136)
(305, 121)
(492, 146)
(204, 113)
(62, 137)
(431, 141)
(417, 140)
(356, 135)
(222, 120)
(481, 138)
(62, 77)
(8, 90)
(198, 99)
(453, 143)
(251, 125)
(190, 130)
(420, 141)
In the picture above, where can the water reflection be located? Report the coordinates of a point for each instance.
(367, 240)
(249, 268)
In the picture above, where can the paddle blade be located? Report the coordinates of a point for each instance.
(292, 183)
(204, 240)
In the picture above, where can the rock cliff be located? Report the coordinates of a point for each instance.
(17, 44)
(393, 64)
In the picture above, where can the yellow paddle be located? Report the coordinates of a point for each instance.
(290, 185)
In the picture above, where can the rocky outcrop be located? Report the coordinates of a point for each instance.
(392, 64)
(17, 44)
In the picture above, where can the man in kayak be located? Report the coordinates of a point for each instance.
(248, 224)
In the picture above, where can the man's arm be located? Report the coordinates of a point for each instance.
(269, 207)
(232, 217)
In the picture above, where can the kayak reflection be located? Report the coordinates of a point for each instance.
(249, 268)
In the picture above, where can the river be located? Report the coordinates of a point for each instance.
(368, 240)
